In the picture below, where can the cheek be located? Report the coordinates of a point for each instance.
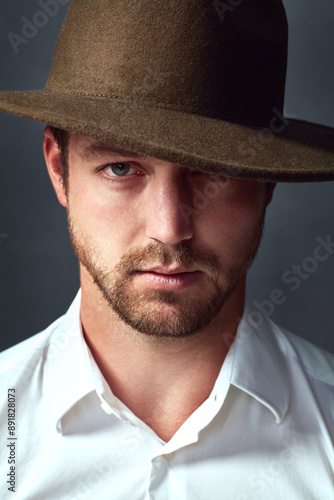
(235, 219)
(104, 218)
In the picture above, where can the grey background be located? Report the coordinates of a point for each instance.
(38, 272)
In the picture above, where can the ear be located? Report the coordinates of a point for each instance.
(270, 192)
(52, 160)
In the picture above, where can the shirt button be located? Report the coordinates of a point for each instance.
(169, 457)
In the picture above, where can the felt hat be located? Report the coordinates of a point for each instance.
(195, 82)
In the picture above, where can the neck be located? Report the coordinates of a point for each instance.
(162, 381)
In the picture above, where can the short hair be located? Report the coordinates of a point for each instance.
(62, 138)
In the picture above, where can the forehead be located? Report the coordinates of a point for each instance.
(89, 149)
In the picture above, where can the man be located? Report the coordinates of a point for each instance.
(157, 383)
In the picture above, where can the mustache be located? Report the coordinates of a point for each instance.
(154, 254)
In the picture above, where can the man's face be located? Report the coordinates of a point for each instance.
(165, 245)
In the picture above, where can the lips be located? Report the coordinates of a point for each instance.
(168, 270)
(161, 278)
(161, 270)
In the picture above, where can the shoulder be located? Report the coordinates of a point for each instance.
(40, 349)
(19, 362)
(315, 362)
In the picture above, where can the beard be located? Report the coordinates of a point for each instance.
(161, 313)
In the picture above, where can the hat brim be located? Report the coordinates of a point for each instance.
(285, 151)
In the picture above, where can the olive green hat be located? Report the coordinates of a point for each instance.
(195, 82)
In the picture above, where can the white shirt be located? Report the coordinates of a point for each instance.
(265, 432)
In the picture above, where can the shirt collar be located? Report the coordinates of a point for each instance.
(70, 377)
(259, 366)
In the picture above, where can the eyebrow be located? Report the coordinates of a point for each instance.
(100, 149)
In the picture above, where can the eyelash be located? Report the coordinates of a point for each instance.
(116, 178)
(127, 178)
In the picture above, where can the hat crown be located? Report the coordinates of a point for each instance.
(182, 54)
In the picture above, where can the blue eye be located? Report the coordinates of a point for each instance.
(120, 169)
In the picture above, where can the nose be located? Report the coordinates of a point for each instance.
(169, 208)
